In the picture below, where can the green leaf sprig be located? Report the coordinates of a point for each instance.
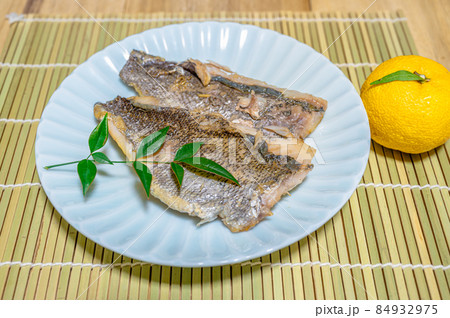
(87, 169)
(402, 76)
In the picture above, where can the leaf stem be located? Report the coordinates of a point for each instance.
(62, 164)
(143, 161)
(120, 161)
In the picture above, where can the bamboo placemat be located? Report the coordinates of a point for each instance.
(390, 241)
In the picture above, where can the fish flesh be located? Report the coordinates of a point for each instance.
(266, 168)
(210, 87)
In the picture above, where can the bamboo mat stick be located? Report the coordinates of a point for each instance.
(338, 275)
(407, 227)
(443, 156)
(83, 274)
(435, 174)
(327, 243)
(51, 74)
(13, 53)
(124, 280)
(348, 277)
(403, 30)
(352, 53)
(48, 249)
(144, 282)
(320, 251)
(11, 222)
(310, 252)
(100, 278)
(341, 277)
(63, 291)
(303, 30)
(73, 277)
(392, 278)
(376, 166)
(368, 52)
(439, 196)
(257, 285)
(321, 275)
(186, 278)
(102, 281)
(136, 271)
(432, 204)
(57, 287)
(10, 77)
(286, 271)
(296, 272)
(389, 229)
(418, 232)
(92, 276)
(88, 257)
(196, 283)
(20, 252)
(281, 277)
(206, 283)
(236, 281)
(49, 292)
(88, 285)
(62, 284)
(9, 252)
(397, 227)
(130, 276)
(247, 282)
(266, 273)
(40, 88)
(114, 279)
(363, 278)
(344, 30)
(385, 276)
(226, 283)
(276, 277)
(75, 273)
(430, 241)
(38, 249)
(372, 248)
(309, 292)
(10, 42)
(134, 280)
(324, 277)
(164, 292)
(216, 282)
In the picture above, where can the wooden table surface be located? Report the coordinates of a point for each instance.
(428, 19)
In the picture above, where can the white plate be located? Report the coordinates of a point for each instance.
(116, 214)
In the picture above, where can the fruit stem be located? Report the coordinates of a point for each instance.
(425, 79)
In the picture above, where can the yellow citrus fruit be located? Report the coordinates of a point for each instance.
(409, 116)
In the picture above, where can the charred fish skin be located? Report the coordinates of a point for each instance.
(210, 87)
(202, 194)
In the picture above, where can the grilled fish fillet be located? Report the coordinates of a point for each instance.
(264, 168)
(210, 87)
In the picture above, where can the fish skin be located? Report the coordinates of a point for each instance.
(207, 196)
(210, 87)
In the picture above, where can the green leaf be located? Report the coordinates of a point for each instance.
(178, 171)
(400, 76)
(99, 135)
(151, 144)
(86, 171)
(144, 174)
(210, 166)
(100, 157)
(187, 151)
